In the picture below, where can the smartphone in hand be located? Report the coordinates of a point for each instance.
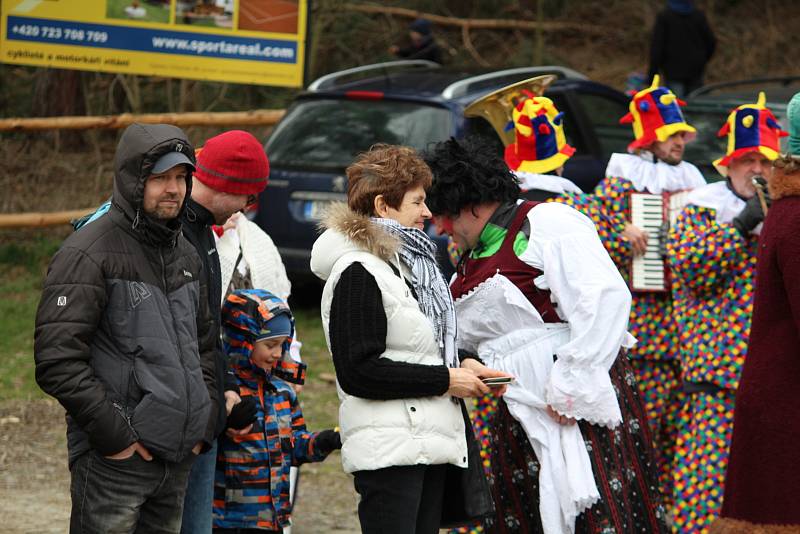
(497, 381)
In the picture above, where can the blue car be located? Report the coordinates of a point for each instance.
(414, 103)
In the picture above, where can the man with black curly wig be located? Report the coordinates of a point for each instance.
(537, 296)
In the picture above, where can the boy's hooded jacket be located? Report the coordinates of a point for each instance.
(118, 323)
(251, 487)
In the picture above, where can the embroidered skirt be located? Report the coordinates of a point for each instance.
(622, 461)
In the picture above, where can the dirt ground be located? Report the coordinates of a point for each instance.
(34, 480)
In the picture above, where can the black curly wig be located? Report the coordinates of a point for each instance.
(467, 172)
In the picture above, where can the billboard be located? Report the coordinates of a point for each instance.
(240, 41)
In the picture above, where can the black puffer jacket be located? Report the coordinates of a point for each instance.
(122, 309)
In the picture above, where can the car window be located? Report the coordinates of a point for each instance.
(330, 133)
(604, 114)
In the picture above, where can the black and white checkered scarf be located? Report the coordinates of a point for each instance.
(418, 252)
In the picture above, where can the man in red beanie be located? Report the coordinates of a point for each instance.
(232, 169)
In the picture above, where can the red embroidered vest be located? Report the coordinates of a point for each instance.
(471, 272)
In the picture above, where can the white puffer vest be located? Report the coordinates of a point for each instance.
(383, 433)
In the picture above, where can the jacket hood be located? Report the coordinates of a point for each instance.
(244, 315)
(347, 231)
(139, 148)
(784, 184)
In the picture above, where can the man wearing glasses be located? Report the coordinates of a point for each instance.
(232, 169)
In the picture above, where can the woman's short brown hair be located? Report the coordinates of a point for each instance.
(388, 170)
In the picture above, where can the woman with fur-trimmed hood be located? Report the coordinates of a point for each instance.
(390, 325)
(763, 479)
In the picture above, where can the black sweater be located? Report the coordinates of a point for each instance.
(358, 338)
(197, 221)
(681, 46)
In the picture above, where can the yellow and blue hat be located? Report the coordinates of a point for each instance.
(656, 115)
(750, 128)
(540, 144)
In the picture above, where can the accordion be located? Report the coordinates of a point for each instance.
(650, 213)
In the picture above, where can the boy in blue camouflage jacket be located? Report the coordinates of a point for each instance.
(251, 486)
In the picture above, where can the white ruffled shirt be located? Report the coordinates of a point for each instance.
(546, 182)
(592, 297)
(498, 323)
(654, 178)
(722, 200)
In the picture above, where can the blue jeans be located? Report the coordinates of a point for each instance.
(124, 496)
(200, 494)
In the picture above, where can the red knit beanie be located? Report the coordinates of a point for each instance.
(233, 162)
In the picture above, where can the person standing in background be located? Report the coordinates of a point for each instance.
(423, 45)
(681, 46)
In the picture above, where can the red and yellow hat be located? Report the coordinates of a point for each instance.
(540, 145)
(750, 128)
(656, 115)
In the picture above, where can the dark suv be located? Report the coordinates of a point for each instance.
(414, 103)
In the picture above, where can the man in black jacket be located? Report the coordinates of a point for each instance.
(122, 343)
(423, 44)
(682, 45)
(232, 169)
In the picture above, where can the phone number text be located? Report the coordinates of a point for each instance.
(60, 34)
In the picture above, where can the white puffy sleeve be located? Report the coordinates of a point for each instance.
(592, 297)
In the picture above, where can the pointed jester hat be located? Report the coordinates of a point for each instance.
(656, 115)
(750, 128)
(540, 145)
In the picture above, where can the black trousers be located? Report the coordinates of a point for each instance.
(401, 500)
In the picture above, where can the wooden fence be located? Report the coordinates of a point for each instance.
(261, 117)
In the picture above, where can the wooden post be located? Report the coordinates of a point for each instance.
(259, 117)
(23, 220)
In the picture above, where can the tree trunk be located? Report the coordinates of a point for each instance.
(58, 93)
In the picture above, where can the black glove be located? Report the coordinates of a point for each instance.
(328, 441)
(243, 414)
(749, 217)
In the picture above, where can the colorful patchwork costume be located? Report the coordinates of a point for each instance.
(713, 267)
(656, 115)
